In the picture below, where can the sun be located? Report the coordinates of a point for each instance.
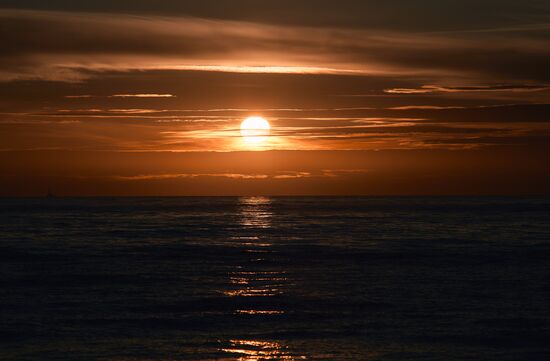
(255, 129)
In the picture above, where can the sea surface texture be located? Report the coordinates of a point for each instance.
(269, 278)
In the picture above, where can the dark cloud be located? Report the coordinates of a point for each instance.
(511, 113)
(425, 15)
(71, 46)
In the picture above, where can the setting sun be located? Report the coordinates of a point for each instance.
(255, 129)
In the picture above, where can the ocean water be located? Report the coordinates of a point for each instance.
(275, 278)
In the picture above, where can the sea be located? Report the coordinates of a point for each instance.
(275, 278)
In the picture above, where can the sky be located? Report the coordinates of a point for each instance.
(363, 97)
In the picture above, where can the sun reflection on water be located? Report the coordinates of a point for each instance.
(255, 212)
(256, 280)
(256, 284)
(253, 350)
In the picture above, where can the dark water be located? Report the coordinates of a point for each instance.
(275, 279)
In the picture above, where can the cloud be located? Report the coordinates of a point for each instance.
(293, 175)
(129, 129)
(78, 96)
(73, 47)
(189, 175)
(270, 69)
(344, 172)
(142, 96)
(429, 107)
(139, 95)
(281, 175)
(426, 89)
(427, 16)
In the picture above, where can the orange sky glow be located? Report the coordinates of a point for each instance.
(109, 100)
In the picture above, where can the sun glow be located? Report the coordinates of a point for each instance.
(255, 129)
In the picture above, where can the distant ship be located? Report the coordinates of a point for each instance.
(50, 194)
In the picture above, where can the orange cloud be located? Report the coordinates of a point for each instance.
(425, 89)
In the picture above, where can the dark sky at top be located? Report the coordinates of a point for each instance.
(422, 15)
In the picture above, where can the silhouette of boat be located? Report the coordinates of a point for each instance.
(50, 194)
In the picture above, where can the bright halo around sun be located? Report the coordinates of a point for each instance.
(255, 129)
